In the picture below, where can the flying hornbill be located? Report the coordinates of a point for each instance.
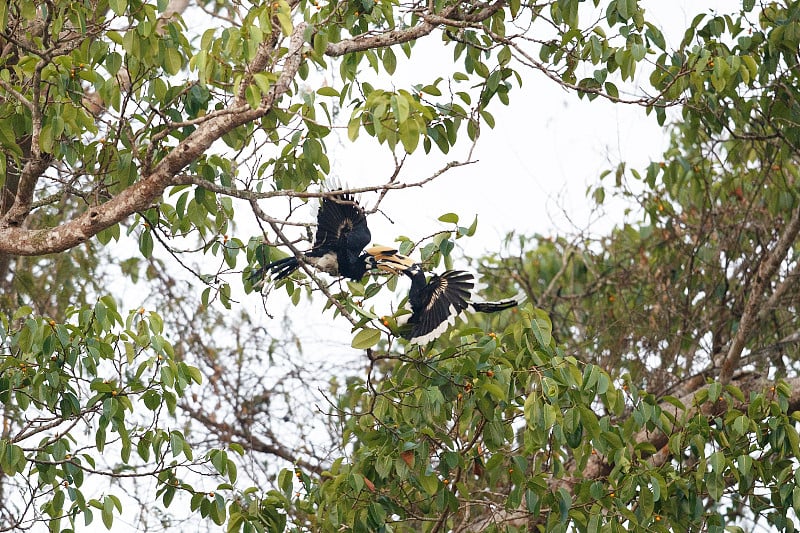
(437, 302)
(338, 249)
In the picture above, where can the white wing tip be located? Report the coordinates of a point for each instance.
(438, 330)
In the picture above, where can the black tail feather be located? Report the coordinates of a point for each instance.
(493, 307)
(279, 269)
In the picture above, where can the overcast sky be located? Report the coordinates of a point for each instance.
(531, 171)
(530, 175)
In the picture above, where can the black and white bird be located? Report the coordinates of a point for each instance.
(437, 302)
(338, 249)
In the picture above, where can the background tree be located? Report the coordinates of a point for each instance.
(650, 385)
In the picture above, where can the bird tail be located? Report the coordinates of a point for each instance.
(278, 269)
(500, 305)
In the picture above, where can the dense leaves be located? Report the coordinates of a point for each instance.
(650, 384)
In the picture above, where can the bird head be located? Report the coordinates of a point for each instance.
(388, 259)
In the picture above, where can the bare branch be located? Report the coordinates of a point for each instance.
(766, 270)
(247, 194)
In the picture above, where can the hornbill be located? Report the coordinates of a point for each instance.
(436, 302)
(338, 249)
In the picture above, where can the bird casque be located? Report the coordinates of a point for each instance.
(436, 302)
(338, 249)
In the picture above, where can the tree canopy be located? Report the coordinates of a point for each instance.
(649, 383)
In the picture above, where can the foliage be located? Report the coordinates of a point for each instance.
(486, 423)
(626, 396)
(98, 374)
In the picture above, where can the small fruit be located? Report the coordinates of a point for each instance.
(408, 457)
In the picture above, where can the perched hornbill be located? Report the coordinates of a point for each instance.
(338, 249)
(437, 302)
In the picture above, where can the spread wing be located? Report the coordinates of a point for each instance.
(439, 304)
(341, 225)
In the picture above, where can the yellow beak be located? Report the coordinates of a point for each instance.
(389, 260)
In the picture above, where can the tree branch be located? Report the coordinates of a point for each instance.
(769, 265)
(448, 16)
(249, 441)
(597, 468)
(140, 195)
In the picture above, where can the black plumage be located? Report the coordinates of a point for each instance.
(338, 249)
(342, 234)
(436, 303)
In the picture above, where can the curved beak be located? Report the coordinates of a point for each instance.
(388, 259)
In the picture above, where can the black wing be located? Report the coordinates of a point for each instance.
(278, 269)
(438, 304)
(341, 225)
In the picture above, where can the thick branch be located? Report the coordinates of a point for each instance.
(142, 194)
(227, 432)
(768, 267)
(448, 15)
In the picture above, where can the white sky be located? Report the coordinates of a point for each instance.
(532, 171)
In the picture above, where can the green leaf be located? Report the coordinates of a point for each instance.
(22, 311)
(495, 390)
(796, 499)
(366, 338)
(328, 91)
(118, 6)
(176, 442)
(389, 61)
(400, 107)
(108, 512)
(355, 288)
(449, 218)
(353, 127)
(715, 485)
(285, 22)
(429, 483)
(432, 90)
(146, 244)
